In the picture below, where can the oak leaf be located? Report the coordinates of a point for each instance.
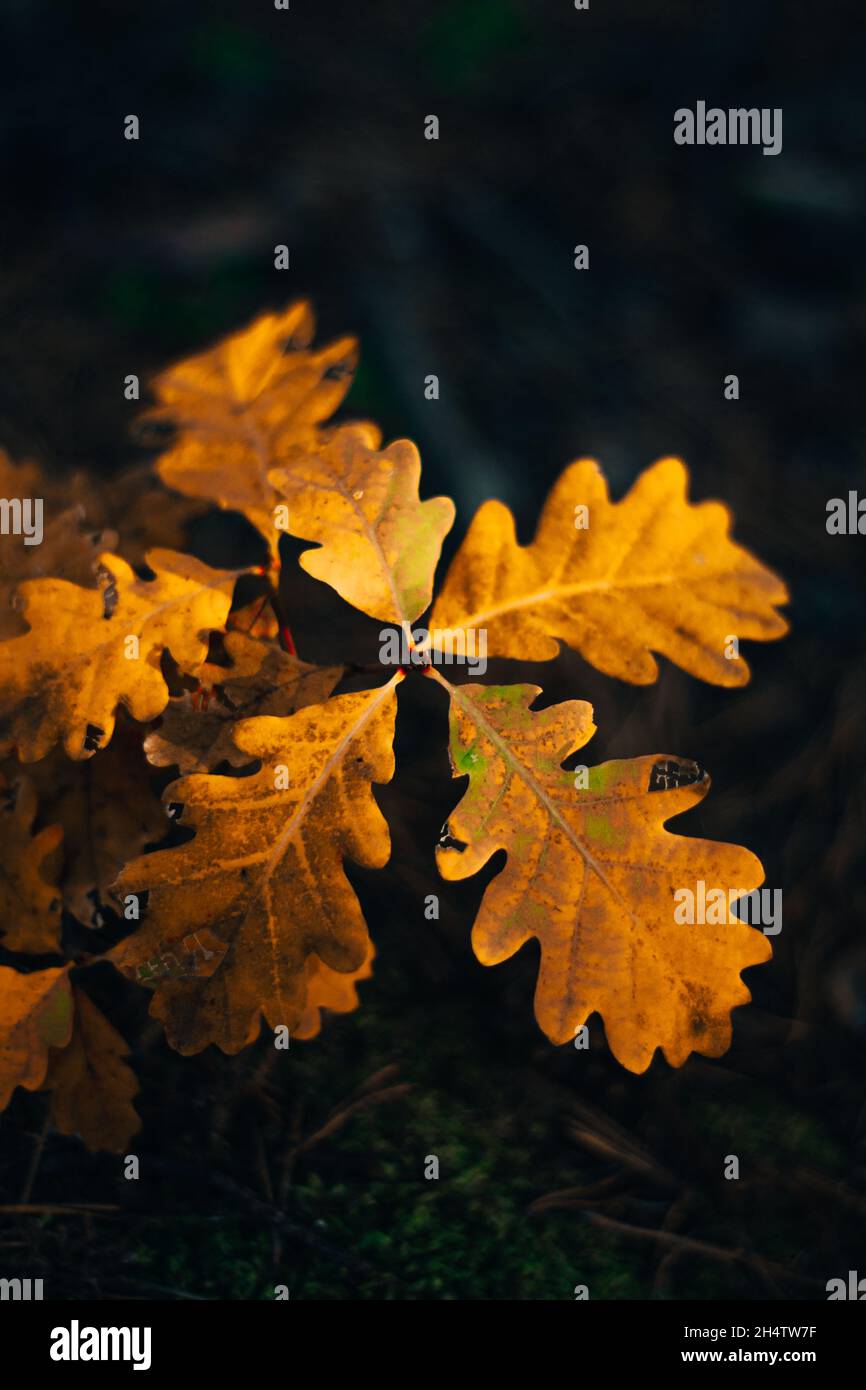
(63, 679)
(109, 813)
(335, 990)
(231, 401)
(91, 1085)
(29, 900)
(379, 543)
(264, 870)
(35, 1015)
(591, 872)
(652, 573)
(195, 733)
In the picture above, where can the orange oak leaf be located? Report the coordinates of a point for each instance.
(109, 811)
(617, 581)
(195, 734)
(89, 650)
(35, 1015)
(91, 1085)
(29, 901)
(379, 543)
(330, 989)
(592, 872)
(231, 401)
(264, 870)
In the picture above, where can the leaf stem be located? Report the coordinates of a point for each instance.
(287, 641)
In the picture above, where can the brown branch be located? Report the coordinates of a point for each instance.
(688, 1245)
(58, 1209)
(36, 1156)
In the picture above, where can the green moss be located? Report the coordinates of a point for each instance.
(364, 1223)
(205, 1261)
(771, 1126)
(375, 1227)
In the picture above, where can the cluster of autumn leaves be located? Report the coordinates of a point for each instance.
(119, 653)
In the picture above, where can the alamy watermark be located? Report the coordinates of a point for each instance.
(22, 516)
(852, 1288)
(737, 126)
(20, 1290)
(847, 518)
(444, 646)
(716, 906)
(77, 1343)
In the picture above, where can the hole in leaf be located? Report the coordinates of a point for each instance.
(447, 840)
(667, 774)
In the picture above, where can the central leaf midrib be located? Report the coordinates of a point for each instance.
(138, 625)
(538, 791)
(595, 586)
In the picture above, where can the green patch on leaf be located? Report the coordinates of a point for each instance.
(600, 828)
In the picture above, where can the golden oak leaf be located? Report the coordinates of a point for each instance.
(379, 543)
(591, 872)
(231, 401)
(264, 871)
(29, 902)
(652, 573)
(109, 811)
(90, 1083)
(35, 1015)
(195, 734)
(68, 551)
(330, 989)
(64, 678)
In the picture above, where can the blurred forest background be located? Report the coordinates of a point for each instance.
(456, 257)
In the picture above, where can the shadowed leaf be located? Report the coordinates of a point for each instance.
(69, 548)
(35, 1015)
(109, 812)
(90, 1083)
(195, 734)
(29, 902)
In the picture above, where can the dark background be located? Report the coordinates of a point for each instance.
(456, 257)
